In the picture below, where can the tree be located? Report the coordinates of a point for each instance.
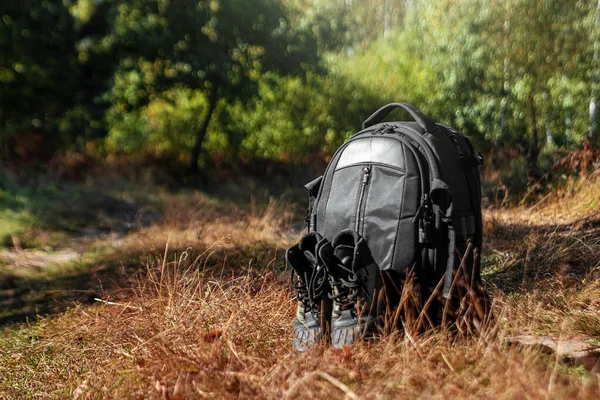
(218, 47)
(498, 64)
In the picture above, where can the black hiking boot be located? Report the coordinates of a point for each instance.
(355, 282)
(310, 281)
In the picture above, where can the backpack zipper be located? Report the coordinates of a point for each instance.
(363, 191)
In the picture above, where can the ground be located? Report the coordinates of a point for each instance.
(136, 292)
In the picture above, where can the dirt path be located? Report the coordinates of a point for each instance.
(39, 281)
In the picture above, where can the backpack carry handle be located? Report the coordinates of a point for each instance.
(378, 116)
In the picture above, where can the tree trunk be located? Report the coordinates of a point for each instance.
(506, 76)
(593, 108)
(387, 19)
(213, 97)
(548, 118)
(533, 151)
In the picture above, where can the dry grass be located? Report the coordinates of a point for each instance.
(572, 200)
(236, 237)
(210, 317)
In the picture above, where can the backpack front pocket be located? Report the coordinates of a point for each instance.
(386, 222)
(370, 199)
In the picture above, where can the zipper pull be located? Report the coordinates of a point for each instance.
(366, 175)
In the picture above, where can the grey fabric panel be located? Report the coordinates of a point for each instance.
(405, 248)
(375, 149)
(340, 212)
(383, 208)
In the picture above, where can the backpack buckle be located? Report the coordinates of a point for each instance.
(478, 159)
(425, 218)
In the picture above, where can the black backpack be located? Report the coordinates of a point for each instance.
(412, 190)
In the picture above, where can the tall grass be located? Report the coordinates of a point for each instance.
(210, 317)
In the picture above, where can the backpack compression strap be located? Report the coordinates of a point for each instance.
(450, 266)
(440, 195)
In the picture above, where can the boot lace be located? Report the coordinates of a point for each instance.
(302, 293)
(319, 283)
(345, 290)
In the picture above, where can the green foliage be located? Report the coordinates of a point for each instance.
(294, 120)
(219, 48)
(390, 70)
(165, 127)
(502, 69)
(290, 80)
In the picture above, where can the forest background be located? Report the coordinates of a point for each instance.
(224, 87)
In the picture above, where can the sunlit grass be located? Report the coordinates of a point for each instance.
(199, 306)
